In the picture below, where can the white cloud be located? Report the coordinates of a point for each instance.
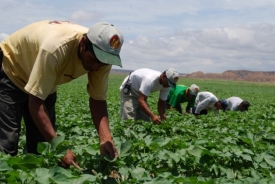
(208, 50)
(3, 36)
(82, 15)
(191, 35)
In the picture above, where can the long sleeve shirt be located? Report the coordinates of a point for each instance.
(206, 101)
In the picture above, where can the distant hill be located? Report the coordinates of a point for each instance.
(234, 75)
(122, 71)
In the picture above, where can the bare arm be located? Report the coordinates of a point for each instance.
(39, 115)
(99, 114)
(161, 109)
(100, 118)
(142, 103)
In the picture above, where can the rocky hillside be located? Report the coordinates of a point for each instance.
(236, 75)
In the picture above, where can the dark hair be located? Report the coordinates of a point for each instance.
(88, 44)
(223, 103)
(245, 104)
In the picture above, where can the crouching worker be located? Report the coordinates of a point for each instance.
(38, 58)
(237, 104)
(208, 101)
(136, 88)
(181, 94)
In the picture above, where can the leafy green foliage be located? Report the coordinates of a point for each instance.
(232, 147)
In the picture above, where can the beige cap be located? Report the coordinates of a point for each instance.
(172, 76)
(194, 89)
(107, 41)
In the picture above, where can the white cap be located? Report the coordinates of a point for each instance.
(194, 89)
(107, 41)
(172, 76)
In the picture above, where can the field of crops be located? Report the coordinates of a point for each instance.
(232, 147)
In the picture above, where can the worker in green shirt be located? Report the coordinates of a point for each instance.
(181, 94)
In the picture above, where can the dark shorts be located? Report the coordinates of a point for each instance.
(14, 107)
(203, 112)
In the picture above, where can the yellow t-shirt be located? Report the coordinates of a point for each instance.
(43, 55)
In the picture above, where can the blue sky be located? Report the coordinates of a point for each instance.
(211, 36)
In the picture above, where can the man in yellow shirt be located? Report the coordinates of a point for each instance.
(42, 55)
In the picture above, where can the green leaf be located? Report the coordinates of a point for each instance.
(215, 152)
(108, 158)
(194, 150)
(226, 154)
(270, 160)
(264, 165)
(182, 152)
(215, 168)
(246, 157)
(160, 155)
(248, 151)
(56, 141)
(164, 142)
(158, 180)
(148, 140)
(66, 172)
(60, 178)
(258, 158)
(124, 148)
(270, 136)
(255, 174)
(137, 172)
(252, 181)
(33, 159)
(42, 175)
(174, 156)
(236, 150)
(43, 147)
(23, 176)
(86, 177)
(124, 172)
(161, 141)
(91, 150)
(200, 141)
(25, 162)
(250, 135)
(4, 166)
(11, 176)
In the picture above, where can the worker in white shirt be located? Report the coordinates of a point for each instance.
(207, 101)
(136, 88)
(237, 104)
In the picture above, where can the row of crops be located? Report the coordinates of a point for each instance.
(232, 147)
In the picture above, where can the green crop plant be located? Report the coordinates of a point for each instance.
(232, 147)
